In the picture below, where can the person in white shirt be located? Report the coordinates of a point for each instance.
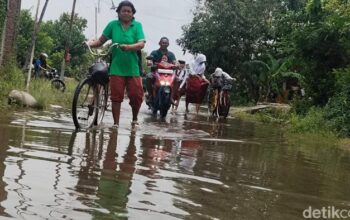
(219, 78)
(220, 73)
(180, 76)
(196, 83)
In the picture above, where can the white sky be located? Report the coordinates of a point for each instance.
(158, 17)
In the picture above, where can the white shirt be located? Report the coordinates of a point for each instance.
(182, 74)
(197, 67)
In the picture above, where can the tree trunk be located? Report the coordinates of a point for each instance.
(9, 32)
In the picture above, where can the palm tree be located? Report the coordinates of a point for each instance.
(8, 36)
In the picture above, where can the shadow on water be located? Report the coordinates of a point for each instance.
(185, 167)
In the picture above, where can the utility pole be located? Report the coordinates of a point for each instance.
(35, 33)
(99, 6)
(66, 50)
(96, 22)
(33, 46)
(113, 6)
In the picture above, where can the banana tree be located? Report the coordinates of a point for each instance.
(268, 75)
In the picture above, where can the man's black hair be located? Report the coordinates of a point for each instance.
(182, 61)
(164, 38)
(126, 3)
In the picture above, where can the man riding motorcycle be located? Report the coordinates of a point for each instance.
(156, 57)
(41, 66)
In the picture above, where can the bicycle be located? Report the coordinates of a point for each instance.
(219, 101)
(91, 94)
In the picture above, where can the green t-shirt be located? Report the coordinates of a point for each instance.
(124, 63)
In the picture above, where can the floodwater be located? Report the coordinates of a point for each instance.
(186, 167)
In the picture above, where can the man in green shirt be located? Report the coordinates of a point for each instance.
(124, 68)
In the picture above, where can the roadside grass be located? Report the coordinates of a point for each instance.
(312, 123)
(11, 77)
(41, 90)
(270, 115)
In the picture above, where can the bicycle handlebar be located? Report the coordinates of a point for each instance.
(102, 54)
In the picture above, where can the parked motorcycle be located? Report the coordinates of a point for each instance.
(54, 77)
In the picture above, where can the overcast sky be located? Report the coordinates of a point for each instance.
(158, 17)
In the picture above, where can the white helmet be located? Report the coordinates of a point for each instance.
(44, 55)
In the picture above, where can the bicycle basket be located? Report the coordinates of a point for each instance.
(99, 73)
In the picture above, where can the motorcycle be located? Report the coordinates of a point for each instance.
(54, 77)
(51, 74)
(164, 78)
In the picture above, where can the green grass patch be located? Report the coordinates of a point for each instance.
(313, 122)
(270, 115)
(41, 90)
(11, 77)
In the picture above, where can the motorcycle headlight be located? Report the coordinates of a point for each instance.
(162, 83)
(167, 83)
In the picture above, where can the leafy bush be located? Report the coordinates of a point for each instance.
(301, 106)
(2, 14)
(10, 78)
(313, 122)
(338, 108)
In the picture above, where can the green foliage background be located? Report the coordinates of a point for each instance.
(261, 43)
(3, 5)
(52, 39)
(266, 43)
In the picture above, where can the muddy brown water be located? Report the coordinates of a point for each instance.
(186, 167)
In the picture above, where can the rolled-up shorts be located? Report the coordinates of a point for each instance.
(133, 86)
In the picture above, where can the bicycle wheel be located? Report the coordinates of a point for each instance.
(225, 103)
(210, 102)
(216, 104)
(101, 102)
(58, 84)
(84, 107)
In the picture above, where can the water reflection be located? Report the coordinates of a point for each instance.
(188, 167)
(116, 178)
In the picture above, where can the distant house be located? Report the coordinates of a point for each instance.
(291, 88)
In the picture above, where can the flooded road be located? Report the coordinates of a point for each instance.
(187, 167)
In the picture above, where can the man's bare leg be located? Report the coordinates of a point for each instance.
(197, 108)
